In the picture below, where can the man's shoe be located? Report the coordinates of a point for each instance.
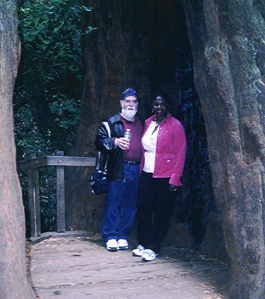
(138, 251)
(112, 245)
(148, 255)
(122, 244)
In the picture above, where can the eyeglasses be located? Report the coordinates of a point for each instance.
(131, 102)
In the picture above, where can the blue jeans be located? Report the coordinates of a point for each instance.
(120, 207)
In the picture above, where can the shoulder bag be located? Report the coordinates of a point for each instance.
(98, 179)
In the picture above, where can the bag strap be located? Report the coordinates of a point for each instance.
(97, 167)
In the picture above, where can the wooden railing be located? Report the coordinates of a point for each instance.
(31, 165)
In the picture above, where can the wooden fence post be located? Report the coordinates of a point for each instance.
(31, 165)
(34, 199)
(60, 196)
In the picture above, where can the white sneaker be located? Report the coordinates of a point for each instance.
(138, 251)
(112, 245)
(122, 244)
(148, 255)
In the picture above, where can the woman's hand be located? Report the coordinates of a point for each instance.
(173, 188)
(122, 143)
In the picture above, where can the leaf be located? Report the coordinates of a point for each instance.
(86, 9)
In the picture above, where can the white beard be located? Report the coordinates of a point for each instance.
(128, 113)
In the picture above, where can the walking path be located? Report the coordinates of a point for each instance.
(81, 268)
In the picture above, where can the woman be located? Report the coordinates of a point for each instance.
(164, 148)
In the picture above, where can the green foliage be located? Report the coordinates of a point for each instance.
(50, 35)
(50, 71)
(50, 31)
(51, 28)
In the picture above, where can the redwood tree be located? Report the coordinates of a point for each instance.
(228, 47)
(13, 273)
(113, 61)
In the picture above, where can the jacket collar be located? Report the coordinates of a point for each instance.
(116, 117)
(153, 116)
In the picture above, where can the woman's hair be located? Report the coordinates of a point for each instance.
(163, 95)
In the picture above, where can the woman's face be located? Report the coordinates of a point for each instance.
(160, 107)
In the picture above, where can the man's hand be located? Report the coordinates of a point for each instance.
(122, 143)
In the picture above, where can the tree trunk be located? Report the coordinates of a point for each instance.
(13, 273)
(112, 64)
(227, 40)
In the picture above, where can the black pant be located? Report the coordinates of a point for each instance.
(155, 205)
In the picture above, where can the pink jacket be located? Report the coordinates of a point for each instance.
(170, 150)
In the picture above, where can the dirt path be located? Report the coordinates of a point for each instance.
(81, 267)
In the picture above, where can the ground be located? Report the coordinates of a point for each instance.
(81, 267)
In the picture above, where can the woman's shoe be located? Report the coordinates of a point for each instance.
(148, 255)
(138, 251)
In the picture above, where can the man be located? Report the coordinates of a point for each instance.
(124, 156)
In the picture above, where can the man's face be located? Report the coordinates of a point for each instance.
(129, 105)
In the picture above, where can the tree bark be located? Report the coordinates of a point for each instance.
(13, 274)
(227, 41)
(140, 44)
(112, 63)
